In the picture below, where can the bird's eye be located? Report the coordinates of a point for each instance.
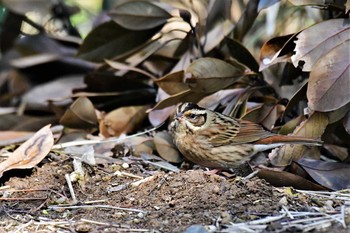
(192, 116)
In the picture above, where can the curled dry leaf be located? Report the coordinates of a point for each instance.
(81, 114)
(31, 152)
(313, 127)
(278, 49)
(166, 148)
(122, 120)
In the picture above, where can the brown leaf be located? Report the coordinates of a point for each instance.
(332, 175)
(282, 178)
(104, 41)
(166, 148)
(334, 116)
(81, 115)
(122, 120)
(290, 126)
(208, 75)
(313, 127)
(316, 41)
(265, 115)
(276, 50)
(139, 15)
(31, 152)
(185, 96)
(173, 83)
(329, 82)
(241, 53)
(338, 152)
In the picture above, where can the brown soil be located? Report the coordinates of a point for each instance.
(169, 202)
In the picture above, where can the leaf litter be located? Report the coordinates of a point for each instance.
(156, 201)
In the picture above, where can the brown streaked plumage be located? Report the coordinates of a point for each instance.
(215, 140)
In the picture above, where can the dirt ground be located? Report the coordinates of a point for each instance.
(165, 202)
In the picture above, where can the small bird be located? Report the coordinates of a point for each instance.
(215, 140)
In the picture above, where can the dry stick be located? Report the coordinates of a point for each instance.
(120, 226)
(23, 226)
(21, 198)
(71, 190)
(58, 207)
(287, 212)
(88, 142)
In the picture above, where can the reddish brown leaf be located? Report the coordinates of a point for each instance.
(276, 50)
(282, 178)
(31, 152)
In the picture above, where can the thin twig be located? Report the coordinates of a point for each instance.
(59, 207)
(111, 140)
(71, 190)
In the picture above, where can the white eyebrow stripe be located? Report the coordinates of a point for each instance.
(197, 111)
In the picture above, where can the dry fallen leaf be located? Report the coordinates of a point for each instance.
(122, 120)
(166, 148)
(31, 152)
(313, 127)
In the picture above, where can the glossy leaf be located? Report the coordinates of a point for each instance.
(139, 15)
(173, 83)
(311, 45)
(242, 54)
(332, 175)
(208, 75)
(109, 40)
(329, 82)
(276, 50)
(282, 178)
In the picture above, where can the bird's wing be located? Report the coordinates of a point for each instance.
(244, 132)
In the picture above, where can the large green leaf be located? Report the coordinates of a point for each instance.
(139, 15)
(109, 40)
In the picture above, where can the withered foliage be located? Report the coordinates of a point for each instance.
(284, 65)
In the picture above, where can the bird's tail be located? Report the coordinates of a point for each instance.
(289, 140)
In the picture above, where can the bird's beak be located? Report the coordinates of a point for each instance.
(179, 115)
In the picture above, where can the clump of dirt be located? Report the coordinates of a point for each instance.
(168, 202)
